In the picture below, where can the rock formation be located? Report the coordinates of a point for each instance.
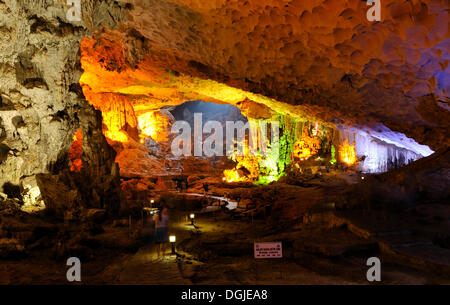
(42, 106)
(318, 61)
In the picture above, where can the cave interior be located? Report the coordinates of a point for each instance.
(303, 122)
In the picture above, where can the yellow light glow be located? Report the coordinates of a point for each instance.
(75, 138)
(147, 125)
(249, 163)
(246, 163)
(306, 147)
(347, 153)
(118, 136)
(172, 238)
(156, 125)
(231, 175)
(75, 152)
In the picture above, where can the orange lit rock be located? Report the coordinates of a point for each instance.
(135, 161)
(347, 153)
(119, 120)
(157, 125)
(102, 63)
(255, 110)
(232, 175)
(75, 152)
(247, 168)
(306, 147)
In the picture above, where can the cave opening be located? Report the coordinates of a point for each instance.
(157, 134)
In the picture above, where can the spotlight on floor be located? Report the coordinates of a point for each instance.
(173, 239)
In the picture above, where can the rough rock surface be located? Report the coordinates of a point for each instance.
(324, 54)
(42, 106)
(426, 181)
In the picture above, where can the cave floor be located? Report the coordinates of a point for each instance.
(321, 245)
(219, 250)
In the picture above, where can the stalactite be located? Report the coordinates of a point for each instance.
(373, 154)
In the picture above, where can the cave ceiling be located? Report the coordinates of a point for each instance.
(320, 59)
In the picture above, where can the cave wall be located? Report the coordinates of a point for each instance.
(42, 106)
(424, 181)
(377, 154)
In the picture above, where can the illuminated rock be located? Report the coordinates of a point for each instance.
(347, 153)
(157, 125)
(31, 196)
(42, 106)
(119, 120)
(75, 152)
(306, 147)
(247, 168)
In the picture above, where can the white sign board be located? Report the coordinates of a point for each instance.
(268, 250)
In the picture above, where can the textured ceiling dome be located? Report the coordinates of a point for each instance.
(323, 54)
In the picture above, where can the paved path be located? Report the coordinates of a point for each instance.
(231, 205)
(144, 268)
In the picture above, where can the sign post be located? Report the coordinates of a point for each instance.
(268, 250)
